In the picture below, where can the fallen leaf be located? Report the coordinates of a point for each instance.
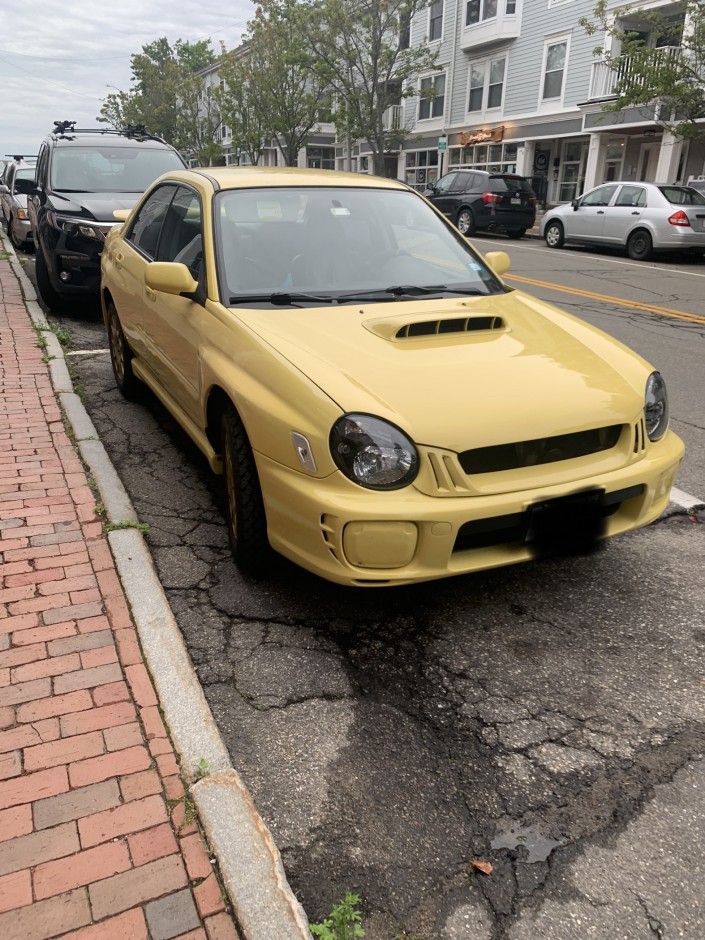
(485, 867)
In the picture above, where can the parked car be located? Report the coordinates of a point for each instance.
(384, 409)
(81, 177)
(16, 182)
(697, 183)
(485, 202)
(641, 217)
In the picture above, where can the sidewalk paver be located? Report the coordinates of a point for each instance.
(97, 840)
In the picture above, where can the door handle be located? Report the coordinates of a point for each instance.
(600, 212)
(118, 257)
(636, 212)
(151, 294)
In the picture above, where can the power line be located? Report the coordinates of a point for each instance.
(49, 81)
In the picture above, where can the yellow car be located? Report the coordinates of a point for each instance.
(383, 407)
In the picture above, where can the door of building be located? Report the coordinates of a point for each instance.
(648, 161)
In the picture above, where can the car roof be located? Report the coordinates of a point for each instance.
(113, 141)
(258, 176)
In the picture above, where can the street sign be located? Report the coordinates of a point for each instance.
(442, 146)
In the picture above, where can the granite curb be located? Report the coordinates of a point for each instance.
(249, 861)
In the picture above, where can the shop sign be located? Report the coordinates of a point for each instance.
(481, 137)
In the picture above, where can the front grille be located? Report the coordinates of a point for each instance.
(540, 451)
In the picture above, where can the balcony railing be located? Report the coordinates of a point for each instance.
(604, 77)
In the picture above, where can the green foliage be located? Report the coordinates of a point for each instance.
(343, 922)
(658, 59)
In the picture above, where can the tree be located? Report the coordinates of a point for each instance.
(242, 100)
(163, 80)
(670, 74)
(362, 49)
(289, 89)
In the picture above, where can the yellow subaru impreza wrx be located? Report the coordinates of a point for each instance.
(384, 409)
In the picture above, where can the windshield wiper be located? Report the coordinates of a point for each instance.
(282, 298)
(409, 290)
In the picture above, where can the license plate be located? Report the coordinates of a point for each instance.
(567, 525)
(515, 200)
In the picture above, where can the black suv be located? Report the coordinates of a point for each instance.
(81, 177)
(478, 201)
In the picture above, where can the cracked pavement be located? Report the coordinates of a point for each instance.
(549, 718)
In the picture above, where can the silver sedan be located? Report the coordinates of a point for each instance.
(16, 182)
(641, 217)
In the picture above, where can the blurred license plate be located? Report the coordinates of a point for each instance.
(515, 200)
(566, 523)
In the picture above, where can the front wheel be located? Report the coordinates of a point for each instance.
(553, 235)
(121, 357)
(466, 222)
(247, 522)
(640, 246)
(51, 298)
(17, 242)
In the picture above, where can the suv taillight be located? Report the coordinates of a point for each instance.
(532, 201)
(679, 218)
(491, 197)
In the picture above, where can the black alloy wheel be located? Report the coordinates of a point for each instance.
(121, 358)
(53, 300)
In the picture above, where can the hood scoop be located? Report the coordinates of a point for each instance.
(441, 326)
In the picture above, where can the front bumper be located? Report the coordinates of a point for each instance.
(357, 537)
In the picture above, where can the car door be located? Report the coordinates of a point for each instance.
(126, 259)
(586, 223)
(441, 196)
(172, 321)
(626, 210)
(5, 197)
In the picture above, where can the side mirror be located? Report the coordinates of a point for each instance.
(498, 261)
(26, 187)
(169, 277)
(121, 214)
(3, 189)
(575, 204)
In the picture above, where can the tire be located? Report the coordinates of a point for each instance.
(17, 242)
(247, 521)
(51, 298)
(516, 232)
(553, 234)
(466, 222)
(640, 246)
(121, 358)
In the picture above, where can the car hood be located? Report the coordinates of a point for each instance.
(97, 206)
(499, 368)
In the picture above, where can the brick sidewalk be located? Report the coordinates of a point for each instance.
(96, 839)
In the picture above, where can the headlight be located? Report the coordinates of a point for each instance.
(22, 215)
(373, 453)
(656, 406)
(95, 230)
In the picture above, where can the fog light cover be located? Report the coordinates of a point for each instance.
(373, 453)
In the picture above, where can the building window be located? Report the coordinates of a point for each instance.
(320, 158)
(432, 97)
(404, 30)
(421, 168)
(511, 7)
(495, 158)
(555, 68)
(478, 10)
(490, 76)
(435, 23)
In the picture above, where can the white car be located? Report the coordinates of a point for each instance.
(641, 217)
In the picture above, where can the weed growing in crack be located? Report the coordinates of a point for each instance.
(127, 524)
(343, 923)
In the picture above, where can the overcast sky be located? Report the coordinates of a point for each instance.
(59, 57)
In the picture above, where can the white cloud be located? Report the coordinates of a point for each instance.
(58, 60)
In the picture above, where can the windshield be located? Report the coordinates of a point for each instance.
(682, 196)
(331, 242)
(110, 169)
(512, 184)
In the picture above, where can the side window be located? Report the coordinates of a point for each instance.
(41, 171)
(181, 239)
(631, 196)
(461, 183)
(146, 228)
(599, 197)
(445, 183)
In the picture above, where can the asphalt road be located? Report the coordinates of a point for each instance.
(548, 718)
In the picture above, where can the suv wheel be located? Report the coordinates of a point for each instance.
(466, 222)
(516, 232)
(121, 357)
(51, 298)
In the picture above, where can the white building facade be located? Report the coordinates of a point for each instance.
(518, 89)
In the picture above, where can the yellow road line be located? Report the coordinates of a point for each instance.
(607, 298)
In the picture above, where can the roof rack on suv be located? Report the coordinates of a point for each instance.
(68, 130)
(18, 157)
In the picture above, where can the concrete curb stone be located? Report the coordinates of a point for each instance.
(249, 861)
